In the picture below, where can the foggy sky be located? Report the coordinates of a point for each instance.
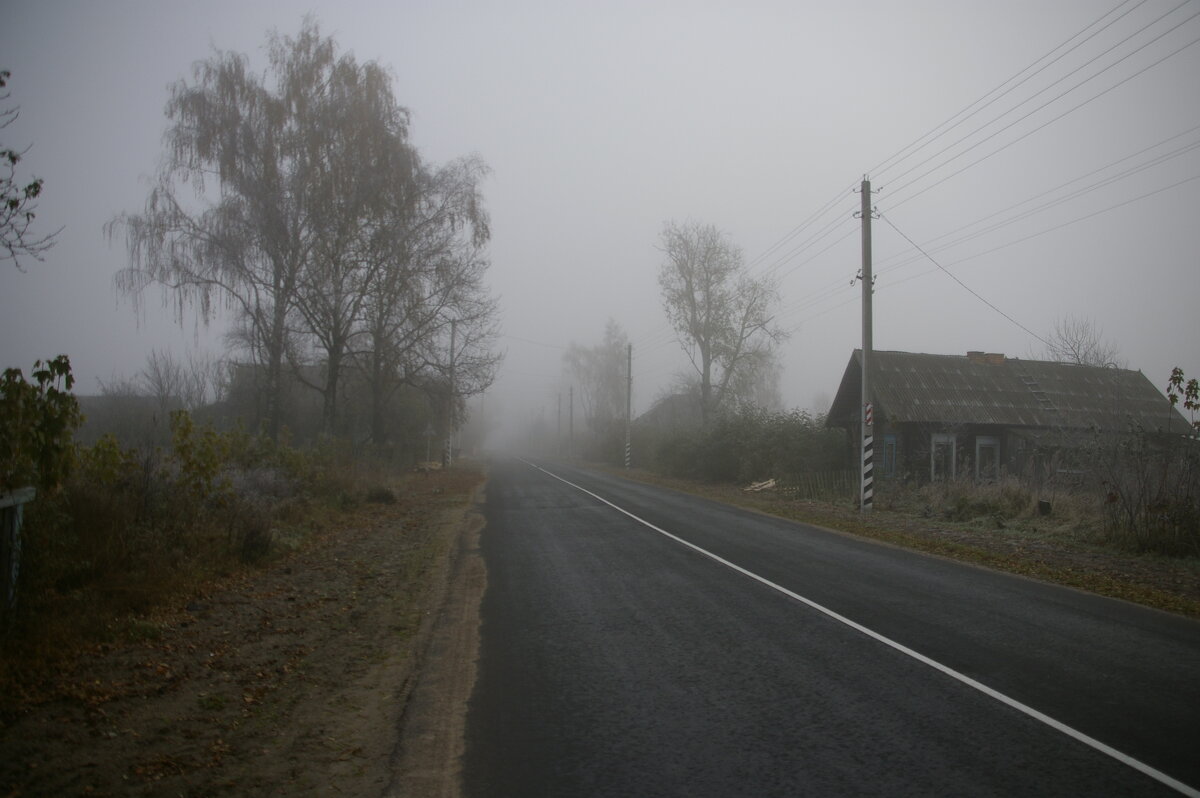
(601, 121)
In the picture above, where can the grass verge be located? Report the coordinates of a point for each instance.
(1170, 584)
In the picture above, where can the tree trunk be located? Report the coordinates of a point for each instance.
(333, 370)
(378, 400)
(705, 385)
(275, 380)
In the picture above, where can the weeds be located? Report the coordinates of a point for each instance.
(963, 500)
(130, 528)
(1152, 495)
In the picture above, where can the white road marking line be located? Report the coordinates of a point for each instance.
(1059, 726)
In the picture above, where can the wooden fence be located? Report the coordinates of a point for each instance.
(821, 485)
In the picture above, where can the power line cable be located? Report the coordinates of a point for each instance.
(1078, 219)
(1129, 172)
(953, 277)
(811, 219)
(896, 158)
(1044, 89)
(531, 341)
(812, 241)
(1045, 124)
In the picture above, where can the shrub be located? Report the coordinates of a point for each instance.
(1152, 494)
(381, 495)
(750, 444)
(37, 425)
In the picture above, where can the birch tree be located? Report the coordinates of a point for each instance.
(721, 314)
(261, 185)
(601, 374)
(435, 276)
(18, 200)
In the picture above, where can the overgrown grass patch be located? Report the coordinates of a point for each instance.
(130, 532)
(1067, 547)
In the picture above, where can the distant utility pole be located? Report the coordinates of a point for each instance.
(629, 414)
(867, 492)
(558, 446)
(449, 457)
(571, 425)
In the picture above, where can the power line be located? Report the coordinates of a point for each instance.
(894, 159)
(530, 341)
(1041, 91)
(1129, 172)
(810, 220)
(1045, 124)
(1078, 219)
(1022, 77)
(960, 282)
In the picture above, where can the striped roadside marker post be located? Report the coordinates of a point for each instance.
(868, 479)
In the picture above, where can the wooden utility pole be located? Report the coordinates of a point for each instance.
(629, 414)
(867, 492)
(449, 456)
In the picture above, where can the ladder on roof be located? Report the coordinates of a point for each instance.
(1044, 401)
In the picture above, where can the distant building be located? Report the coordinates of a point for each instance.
(984, 414)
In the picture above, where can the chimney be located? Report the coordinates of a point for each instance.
(985, 358)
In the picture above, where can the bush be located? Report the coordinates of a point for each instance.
(750, 444)
(965, 500)
(37, 424)
(381, 495)
(1152, 494)
(129, 526)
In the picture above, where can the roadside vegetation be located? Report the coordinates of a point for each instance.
(117, 532)
(181, 608)
(349, 272)
(1127, 526)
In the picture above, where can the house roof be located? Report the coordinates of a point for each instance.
(990, 389)
(673, 411)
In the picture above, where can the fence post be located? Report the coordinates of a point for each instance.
(12, 505)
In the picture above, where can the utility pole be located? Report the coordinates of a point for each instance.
(558, 447)
(867, 492)
(449, 457)
(629, 414)
(571, 425)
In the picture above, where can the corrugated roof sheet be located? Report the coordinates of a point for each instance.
(956, 389)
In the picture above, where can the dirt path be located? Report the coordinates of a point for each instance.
(288, 681)
(428, 764)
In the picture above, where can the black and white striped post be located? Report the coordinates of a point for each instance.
(868, 476)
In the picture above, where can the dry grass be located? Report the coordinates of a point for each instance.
(998, 527)
(125, 536)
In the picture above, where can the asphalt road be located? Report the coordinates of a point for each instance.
(616, 660)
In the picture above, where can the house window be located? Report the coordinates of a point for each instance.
(941, 456)
(987, 458)
(889, 456)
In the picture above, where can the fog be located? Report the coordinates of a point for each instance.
(603, 121)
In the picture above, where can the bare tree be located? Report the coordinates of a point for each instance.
(1080, 341)
(276, 146)
(163, 379)
(434, 275)
(187, 384)
(18, 203)
(366, 177)
(721, 314)
(599, 372)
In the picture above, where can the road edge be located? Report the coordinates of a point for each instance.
(427, 762)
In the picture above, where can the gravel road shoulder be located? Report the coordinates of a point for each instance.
(291, 680)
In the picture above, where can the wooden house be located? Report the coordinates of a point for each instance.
(984, 414)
